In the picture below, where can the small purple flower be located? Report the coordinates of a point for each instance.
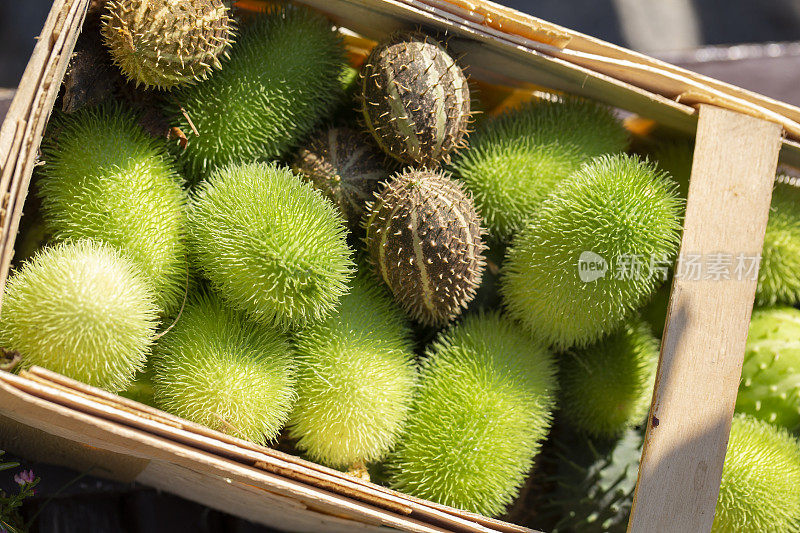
(24, 477)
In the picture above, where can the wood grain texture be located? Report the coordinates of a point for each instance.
(125, 436)
(703, 346)
(22, 129)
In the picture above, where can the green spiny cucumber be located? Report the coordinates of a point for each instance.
(83, 310)
(770, 384)
(105, 179)
(216, 368)
(356, 376)
(516, 159)
(270, 244)
(483, 406)
(281, 80)
(607, 386)
(760, 477)
(584, 262)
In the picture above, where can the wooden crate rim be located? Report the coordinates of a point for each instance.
(503, 46)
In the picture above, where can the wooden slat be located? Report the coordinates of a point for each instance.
(703, 346)
(615, 61)
(28, 114)
(290, 500)
(109, 408)
(498, 54)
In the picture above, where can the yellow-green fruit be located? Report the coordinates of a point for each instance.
(770, 384)
(345, 166)
(594, 252)
(83, 310)
(270, 244)
(105, 179)
(424, 239)
(483, 406)
(219, 369)
(515, 160)
(164, 43)
(779, 273)
(760, 480)
(356, 376)
(607, 386)
(415, 99)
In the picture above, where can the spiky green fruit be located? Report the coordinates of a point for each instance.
(584, 262)
(281, 80)
(83, 310)
(165, 43)
(483, 406)
(594, 482)
(415, 99)
(424, 239)
(105, 179)
(779, 271)
(759, 480)
(356, 376)
(515, 160)
(607, 386)
(345, 166)
(770, 384)
(270, 244)
(219, 369)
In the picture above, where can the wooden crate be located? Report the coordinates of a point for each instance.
(738, 134)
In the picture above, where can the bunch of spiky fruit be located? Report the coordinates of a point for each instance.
(272, 324)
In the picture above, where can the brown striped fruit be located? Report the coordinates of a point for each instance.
(424, 238)
(345, 166)
(415, 99)
(164, 43)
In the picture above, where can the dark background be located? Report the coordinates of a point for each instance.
(676, 30)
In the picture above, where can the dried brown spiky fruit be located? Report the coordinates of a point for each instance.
(345, 166)
(415, 99)
(424, 238)
(164, 43)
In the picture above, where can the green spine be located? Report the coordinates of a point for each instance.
(607, 387)
(216, 368)
(760, 477)
(270, 244)
(83, 310)
(770, 384)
